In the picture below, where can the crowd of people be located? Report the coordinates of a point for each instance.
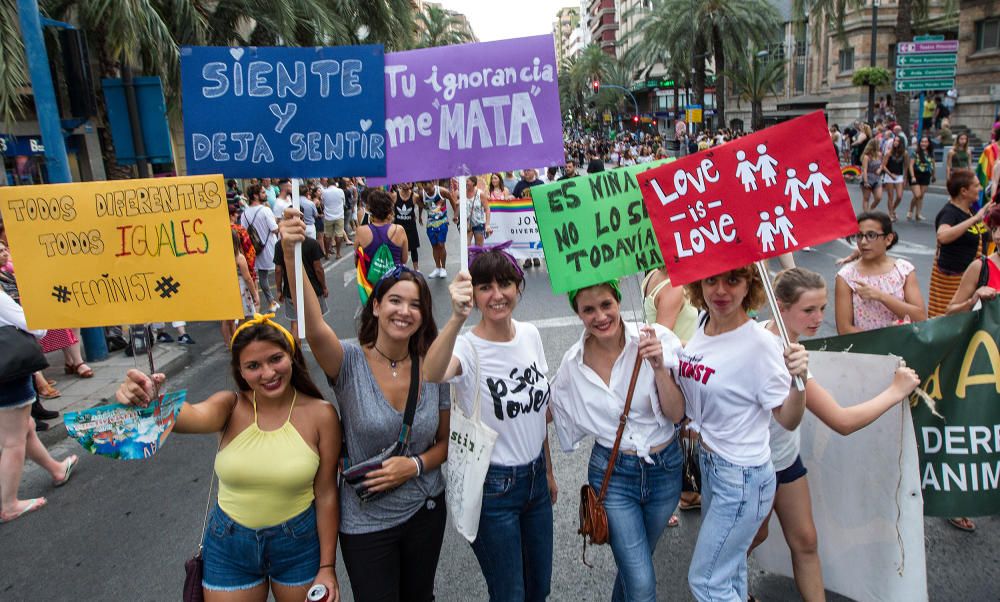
(706, 394)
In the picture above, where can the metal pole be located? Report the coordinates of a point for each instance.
(135, 124)
(43, 92)
(47, 109)
(776, 313)
(920, 118)
(871, 89)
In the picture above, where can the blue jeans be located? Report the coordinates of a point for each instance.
(514, 545)
(639, 501)
(734, 502)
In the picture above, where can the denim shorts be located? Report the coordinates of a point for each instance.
(237, 558)
(793, 473)
(17, 393)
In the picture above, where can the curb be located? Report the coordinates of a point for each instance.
(178, 359)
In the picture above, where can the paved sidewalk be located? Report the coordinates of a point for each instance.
(82, 393)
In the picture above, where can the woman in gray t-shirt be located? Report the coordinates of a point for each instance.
(390, 544)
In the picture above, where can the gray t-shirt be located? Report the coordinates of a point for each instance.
(370, 425)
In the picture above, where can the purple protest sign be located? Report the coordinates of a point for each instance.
(471, 109)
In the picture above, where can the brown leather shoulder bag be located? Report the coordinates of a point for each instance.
(593, 518)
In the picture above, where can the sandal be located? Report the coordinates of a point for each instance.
(690, 505)
(33, 504)
(71, 463)
(48, 392)
(963, 523)
(80, 370)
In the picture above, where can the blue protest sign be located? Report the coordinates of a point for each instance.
(294, 112)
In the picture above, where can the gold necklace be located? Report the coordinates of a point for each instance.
(392, 362)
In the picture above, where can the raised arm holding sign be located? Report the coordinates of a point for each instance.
(757, 197)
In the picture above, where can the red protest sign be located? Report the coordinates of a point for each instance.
(760, 196)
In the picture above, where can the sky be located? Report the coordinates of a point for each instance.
(503, 19)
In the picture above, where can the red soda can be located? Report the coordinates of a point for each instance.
(318, 593)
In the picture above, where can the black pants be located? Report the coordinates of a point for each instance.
(397, 564)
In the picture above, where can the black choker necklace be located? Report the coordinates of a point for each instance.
(392, 362)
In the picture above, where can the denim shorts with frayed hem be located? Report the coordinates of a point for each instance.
(237, 558)
(17, 393)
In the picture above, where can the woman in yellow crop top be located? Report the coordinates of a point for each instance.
(275, 525)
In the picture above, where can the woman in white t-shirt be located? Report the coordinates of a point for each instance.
(589, 393)
(514, 545)
(734, 379)
(802, 299)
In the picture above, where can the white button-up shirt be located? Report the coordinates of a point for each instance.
(582, 404)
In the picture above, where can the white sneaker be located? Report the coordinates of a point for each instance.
(443, 273)
(432, 274)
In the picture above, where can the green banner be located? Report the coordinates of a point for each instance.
(595, 228)
(958, 360)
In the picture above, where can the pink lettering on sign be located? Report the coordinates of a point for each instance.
(757, 197)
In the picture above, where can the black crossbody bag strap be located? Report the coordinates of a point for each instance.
(411, 402)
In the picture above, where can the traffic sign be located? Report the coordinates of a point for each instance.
(927, 47)
(918, 85)
(925, 72)
(929, 38)
(922, 60)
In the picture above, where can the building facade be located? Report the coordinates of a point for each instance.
(820, 63)
(603, 24)
(565, 26)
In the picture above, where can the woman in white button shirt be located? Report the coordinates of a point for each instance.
(588, 398)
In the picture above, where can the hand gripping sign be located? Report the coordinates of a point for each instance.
(757, 197)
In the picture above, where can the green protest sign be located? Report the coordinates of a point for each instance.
(595, 228)
(958, 361)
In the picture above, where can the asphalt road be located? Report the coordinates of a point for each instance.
(122, 530)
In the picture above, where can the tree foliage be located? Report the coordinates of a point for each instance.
(753, 80)
(440, 27)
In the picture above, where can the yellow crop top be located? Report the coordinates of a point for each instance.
(266, 477)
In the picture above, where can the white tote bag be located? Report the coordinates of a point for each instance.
(470, 446)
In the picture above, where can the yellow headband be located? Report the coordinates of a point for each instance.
(264, 319)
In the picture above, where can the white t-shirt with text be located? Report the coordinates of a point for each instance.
(731, 382)
(513, 388)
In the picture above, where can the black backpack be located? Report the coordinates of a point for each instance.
(255, 241)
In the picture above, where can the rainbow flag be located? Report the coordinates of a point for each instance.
(850, 171)
(511, 205)
(364, 286)
(984, 169)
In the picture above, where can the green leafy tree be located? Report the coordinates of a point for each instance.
(147, 35)
(753, 80)
(706, 27)
(439, 27)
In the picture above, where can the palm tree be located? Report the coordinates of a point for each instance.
(719, 26)
(147, 34)
(440, 27)
(13, 68)
(754, 80)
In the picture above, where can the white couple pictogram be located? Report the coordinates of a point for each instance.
(747, 171)
(816, 182)
(767, 231)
